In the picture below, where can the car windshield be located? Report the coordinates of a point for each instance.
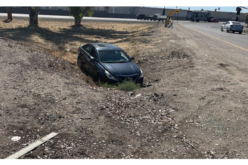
(113, 56)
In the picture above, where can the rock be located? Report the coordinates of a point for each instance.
(138, 95)
(15, 138)
(131, 93)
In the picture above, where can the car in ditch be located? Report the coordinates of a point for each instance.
(108, 63)
(232, 26)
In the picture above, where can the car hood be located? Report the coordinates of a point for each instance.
(121, 69)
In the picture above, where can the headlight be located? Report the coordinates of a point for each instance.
(141, 74)
(110, 76)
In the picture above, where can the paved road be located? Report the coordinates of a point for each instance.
(213, 29)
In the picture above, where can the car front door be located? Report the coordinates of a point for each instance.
(224, 26)
(93, 62)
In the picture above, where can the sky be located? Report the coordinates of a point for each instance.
(211, 8)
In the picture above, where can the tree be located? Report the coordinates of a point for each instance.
(79, 12)
(202, 9)
(9, 11)
(33, 15)
(215, 10)
(246, 19)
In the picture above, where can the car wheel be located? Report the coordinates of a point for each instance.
(227, 30)
(98, 79)
(240, 32)
(221, 29)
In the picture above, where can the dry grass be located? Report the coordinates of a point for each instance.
(61, 39)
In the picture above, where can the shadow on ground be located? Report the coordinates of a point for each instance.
(7, 21)
(63, 36)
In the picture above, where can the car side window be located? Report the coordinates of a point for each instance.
(87, 48)
(93, 53)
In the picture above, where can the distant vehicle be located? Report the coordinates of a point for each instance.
(213, 20)
(108, 63)
(154, 17)
(198, 16)
(159, 17)
(209, 18)
(142, 17)
(232, 26)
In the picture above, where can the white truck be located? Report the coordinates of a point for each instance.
(159, 17)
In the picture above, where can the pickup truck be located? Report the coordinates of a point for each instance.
(159, 17)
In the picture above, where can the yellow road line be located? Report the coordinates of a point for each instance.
(216, 38)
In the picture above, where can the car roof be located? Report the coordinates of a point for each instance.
(105, 46)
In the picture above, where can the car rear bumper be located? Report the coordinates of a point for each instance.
(236, 29)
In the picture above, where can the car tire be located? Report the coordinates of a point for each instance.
(240, 32)
(98, 79)
(221, 29)
(233, 31)
(227, 30)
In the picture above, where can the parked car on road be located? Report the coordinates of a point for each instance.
(108, 63)
(209, 18)
(232, 26)
(213, 20)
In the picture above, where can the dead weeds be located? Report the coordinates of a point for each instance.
(62, 39)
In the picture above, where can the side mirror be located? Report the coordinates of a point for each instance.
(93, 58)
(132, 58)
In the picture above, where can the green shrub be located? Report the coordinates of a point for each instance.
(128, 86)
(125, 86)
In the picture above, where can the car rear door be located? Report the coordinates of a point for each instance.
(85, 56)
(93, 62)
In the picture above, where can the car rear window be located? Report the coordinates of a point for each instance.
(236, 23)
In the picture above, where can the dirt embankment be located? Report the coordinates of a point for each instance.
(188, 109)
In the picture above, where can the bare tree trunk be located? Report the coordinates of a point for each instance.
(9, 10)
(78, 21)
(33, 15)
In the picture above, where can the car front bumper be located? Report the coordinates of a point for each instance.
(110, 81)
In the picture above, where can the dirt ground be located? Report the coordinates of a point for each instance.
(194, 105)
